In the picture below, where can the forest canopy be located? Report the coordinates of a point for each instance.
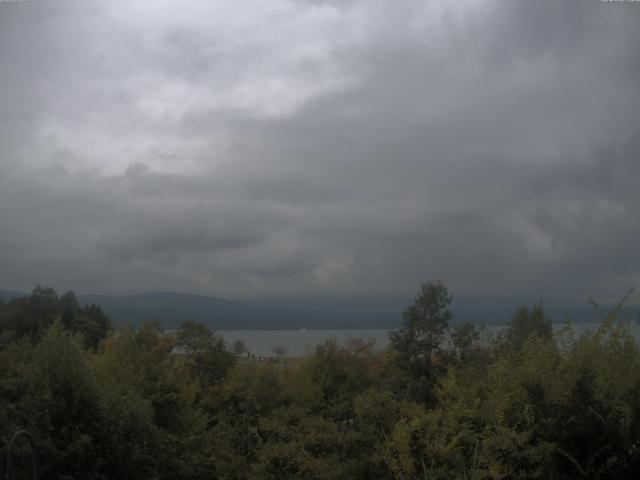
(440, 401)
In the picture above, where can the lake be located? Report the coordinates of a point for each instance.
(300, 342)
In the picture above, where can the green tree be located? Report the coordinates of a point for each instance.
(67, 405)
(93, 323)
(464, 338)
(208, 356)
(527, 322)
(30, 317)
(419, 340)
(193, 336)
(327, 381)
(239, 348)
(249, 393)
(150, 398)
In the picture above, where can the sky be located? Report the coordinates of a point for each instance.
(253, 149)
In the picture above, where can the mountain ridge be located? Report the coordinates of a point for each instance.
(172, 308)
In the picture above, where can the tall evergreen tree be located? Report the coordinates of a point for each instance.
(419, 340)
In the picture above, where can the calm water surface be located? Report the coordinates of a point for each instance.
(300, 342)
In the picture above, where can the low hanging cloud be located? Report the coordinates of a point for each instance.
(276, 148)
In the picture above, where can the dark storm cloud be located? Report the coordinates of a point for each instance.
(320, 148)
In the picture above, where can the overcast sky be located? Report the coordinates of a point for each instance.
(271, 148)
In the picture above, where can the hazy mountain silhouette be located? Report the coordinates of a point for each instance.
(172, 308)
(8, 295)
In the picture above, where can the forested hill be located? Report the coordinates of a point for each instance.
(7, 295)
(172, 308)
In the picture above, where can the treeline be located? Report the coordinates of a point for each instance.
(30, 317)
(440, 402)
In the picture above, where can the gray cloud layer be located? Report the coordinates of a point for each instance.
(277, 148)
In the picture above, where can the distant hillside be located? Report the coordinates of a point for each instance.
(171, 309)
(7, 295)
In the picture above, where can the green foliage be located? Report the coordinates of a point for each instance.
(208, 357)
(464, 339)
(419, 340)
(327, 382)
(69, 398)
(150, 403)
(525, 323)
(30, 317)
(155, 405)
(239, 348)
